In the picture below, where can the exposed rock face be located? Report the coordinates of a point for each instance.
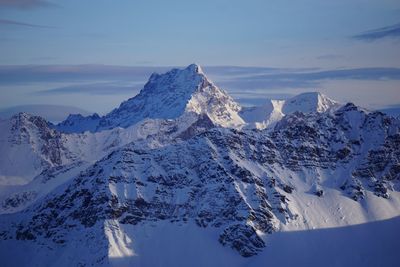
(29, 145)
(26, 129)
(76, 123)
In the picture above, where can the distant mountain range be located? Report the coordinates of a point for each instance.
(53, 113)
(182, 175)
(179, 92)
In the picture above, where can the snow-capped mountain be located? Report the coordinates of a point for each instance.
(182, 91)
(52, 113)
(28, 145)
(166, 96)
(44, 152)
(170, 95)
(272, 111)
(261, 117)
(191, 186)
(309, 102)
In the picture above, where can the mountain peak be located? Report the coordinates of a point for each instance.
(170, 95)
(23, 118)
(177, 82)
(309, 102)
(195, 68)
(191, 74)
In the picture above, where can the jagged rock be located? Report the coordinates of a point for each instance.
(319, 192)
(243, 239)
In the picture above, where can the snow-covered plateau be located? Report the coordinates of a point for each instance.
(182, 175)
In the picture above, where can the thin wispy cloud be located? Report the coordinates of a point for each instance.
(392, 31)
(93, 89)
(7, 22)
(308, 79)
(104, 79)
(15, 74)
(329, 57)
(25, 4)
(271, 82)
(340, 74)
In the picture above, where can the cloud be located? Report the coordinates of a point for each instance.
(340, 74)
(308, 79)
(105, 79)
(92, 89)
(268, 82)
(25, 4)
(53, 113)
(329, 57)
(19, 74)
(7, 22)
(392, 31)
(45, 58)
(237, 70)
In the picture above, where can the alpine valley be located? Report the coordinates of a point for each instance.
(182, 175)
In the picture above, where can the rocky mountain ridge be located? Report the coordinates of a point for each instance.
(178, 92)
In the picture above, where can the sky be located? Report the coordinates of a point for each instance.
(95, 54)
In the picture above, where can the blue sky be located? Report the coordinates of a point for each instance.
(324, 38)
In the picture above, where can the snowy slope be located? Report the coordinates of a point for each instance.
(169, 244)
(267, 115)
(309, 102)
(264, 116)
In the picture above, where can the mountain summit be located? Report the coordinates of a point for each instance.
(274, 110)
(309, 102)
(169, 96)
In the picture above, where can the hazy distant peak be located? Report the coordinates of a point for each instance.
(309, 102)
(53, 113)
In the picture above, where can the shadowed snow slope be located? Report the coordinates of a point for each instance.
(369, 244)
(168, 244)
